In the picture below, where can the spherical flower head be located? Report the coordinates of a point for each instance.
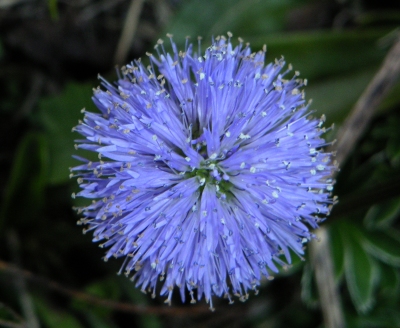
(210, 170)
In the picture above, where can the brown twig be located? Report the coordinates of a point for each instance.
(321, 260)
(128, 31)
(114, 305)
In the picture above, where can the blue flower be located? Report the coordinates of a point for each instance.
(210, 170)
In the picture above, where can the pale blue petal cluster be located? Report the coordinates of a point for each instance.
(210, 170)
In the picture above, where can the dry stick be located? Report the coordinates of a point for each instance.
(321, 260)
(88, 298)
(128, 31)
(348, 136)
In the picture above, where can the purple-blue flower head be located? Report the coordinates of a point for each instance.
(210, 170)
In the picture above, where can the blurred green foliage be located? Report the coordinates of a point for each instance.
(53, 10)
(364, 229)
(58, 115)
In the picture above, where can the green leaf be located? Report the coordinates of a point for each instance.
(53, 317)
(360, 270)
(241, 17)
(390, 282)
(27, 180)
(52, 4)
(320, 54)
(331, 96)
(317, 55)
(106, 288)
(59, 115)
(97, 321)
(382, 215)
(383, 246)
(380, 320)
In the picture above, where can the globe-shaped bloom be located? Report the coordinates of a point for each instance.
(210, 170)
